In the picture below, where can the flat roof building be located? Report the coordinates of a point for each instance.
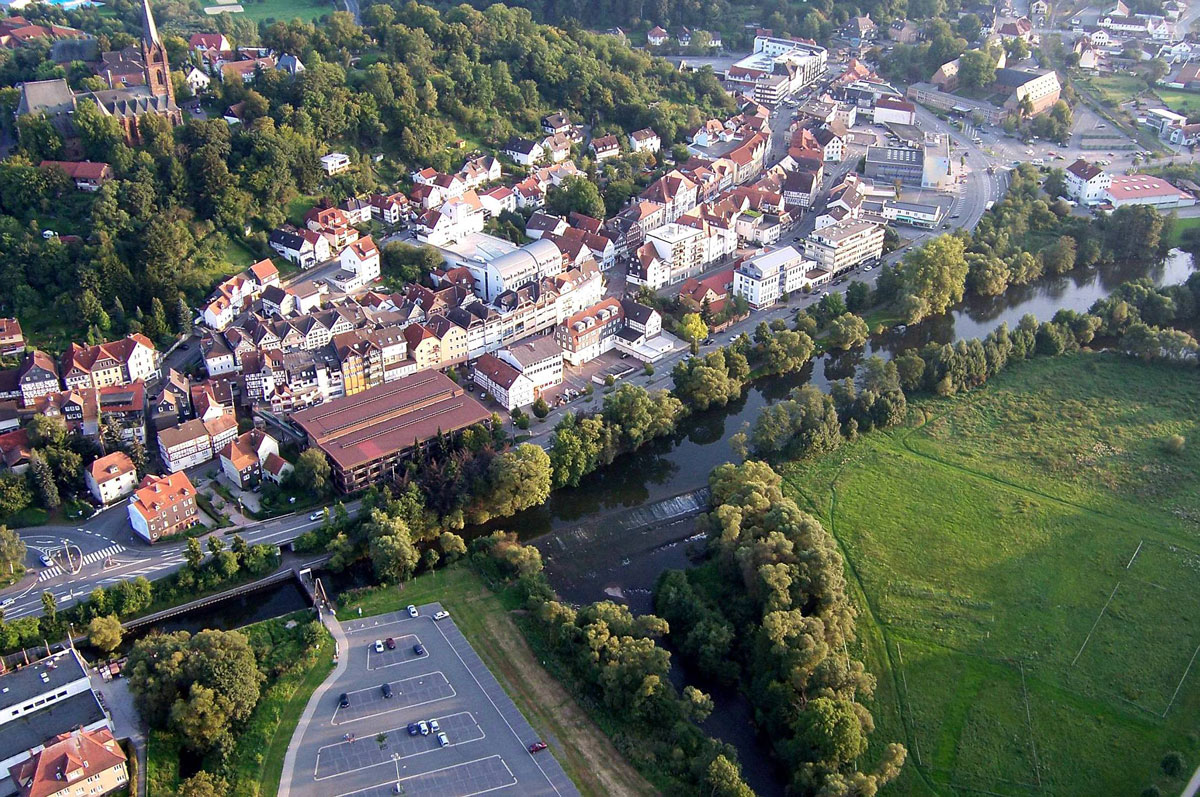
(366, 435)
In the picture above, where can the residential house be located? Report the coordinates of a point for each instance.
(523, 151)
(507, 385)
(708, 294)
(477, 171)
(111, 477)
(37, 376)
(163, 506)
(644, 140)
(605, 147)
(117, 362)
(12, 339)
(305, 248)
(359, 266)
(87, 175)
(556, 123)
(77, 762)
(335, 163)
(657, 37)
(243, 458)
(542, 223)
(589, 333)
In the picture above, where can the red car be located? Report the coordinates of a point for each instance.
(391, 643)
(537, 747)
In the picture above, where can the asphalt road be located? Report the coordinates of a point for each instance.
(103, 550)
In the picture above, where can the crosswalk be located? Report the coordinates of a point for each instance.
(88, 558)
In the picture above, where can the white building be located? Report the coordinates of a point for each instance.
(515, 269)
(894, 110)
(523, 151)
(778, 67)
(335, 163)
(539, 359)
(764, 279)
(1145, 189)
(645, 140)
(508, 386)
(1087, 182)
(359, 266)
(845, 245)
(111, 477)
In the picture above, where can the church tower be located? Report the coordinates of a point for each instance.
(158, 71)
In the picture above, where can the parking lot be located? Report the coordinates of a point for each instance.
(360, 742)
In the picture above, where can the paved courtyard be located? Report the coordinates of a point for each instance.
(365, 749)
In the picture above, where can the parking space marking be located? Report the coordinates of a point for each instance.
(483, 775)
(344, 757)
(418, 690)
(402, 654)
(365, 628)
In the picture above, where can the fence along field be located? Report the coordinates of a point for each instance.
(1030, 554)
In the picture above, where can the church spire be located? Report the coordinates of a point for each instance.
(149, 29)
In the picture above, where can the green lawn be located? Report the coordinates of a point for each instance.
(984, 540)
(1116, 89)
(1180, 225)
(1179, 100)
(297, 207)
(283, 10)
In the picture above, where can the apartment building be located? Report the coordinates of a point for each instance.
(845, 245)
(195, 442)
(118, 362)
(540, 359)
(162, 506)
(507, 385)
(73, 764)
(766, 278)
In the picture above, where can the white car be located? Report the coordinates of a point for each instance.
(317, 515)
(441, 615)
(433, 726)
(379, 646)
(443, 740)
(46, 560)
(412, 611)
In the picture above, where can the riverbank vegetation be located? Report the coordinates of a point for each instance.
(223, 705)
(1022, 553)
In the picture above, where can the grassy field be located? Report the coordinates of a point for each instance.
(1116, 89)
(485, 618)
(1178, 100)
(284, 10)
(1025, 560)
(1179, 226)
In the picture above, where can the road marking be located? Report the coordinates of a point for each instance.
(403, 734)
(96, 556)
(445, 769)
(50, 572)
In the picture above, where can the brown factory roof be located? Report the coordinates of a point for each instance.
(390, 417)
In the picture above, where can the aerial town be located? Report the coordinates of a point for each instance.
(401, 398)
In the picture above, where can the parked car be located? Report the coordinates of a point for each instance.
(387, 691)
(423, 726)
(344, 700)
(46, 560)
(413, 730)
(412, 610)
(537, 747)
(442, 615)
(391, 643)
(434, 726)
(443, 740)
(419, 649)
(379, 646)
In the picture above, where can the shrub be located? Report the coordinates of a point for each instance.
(1172, 764)
(1175, 443)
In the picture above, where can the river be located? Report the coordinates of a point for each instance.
(593, 550)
